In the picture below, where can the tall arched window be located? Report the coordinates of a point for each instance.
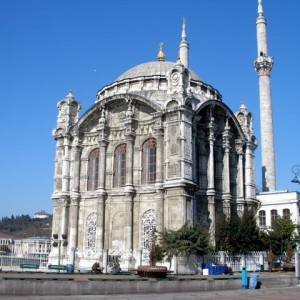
(262, 218)
(148, 227)
(90, 232)
(93, 168)
(149, 162)
(120, 166)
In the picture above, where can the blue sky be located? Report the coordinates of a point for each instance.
(50, 46)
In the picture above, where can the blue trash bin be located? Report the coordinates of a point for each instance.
(70, 268)
(253, 281)
(244, 278)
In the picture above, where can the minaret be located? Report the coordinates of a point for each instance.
(263, 65)
(184, 47)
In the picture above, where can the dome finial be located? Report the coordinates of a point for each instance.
(70, 94)
(161, 55)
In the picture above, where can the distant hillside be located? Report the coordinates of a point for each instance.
(24, 226)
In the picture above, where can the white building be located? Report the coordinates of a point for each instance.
(41, 215)
(32, 247)
(278, 203)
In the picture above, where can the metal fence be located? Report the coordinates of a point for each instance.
(11, 260)
(254, 261)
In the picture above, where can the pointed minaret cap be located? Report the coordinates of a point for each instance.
(183, 33)
(161, 54)
(260, 8)
(184, 46)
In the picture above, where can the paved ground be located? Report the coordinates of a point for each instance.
(290, 293)
(272, 292)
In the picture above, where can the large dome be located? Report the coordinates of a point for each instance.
(150, 80)
(154, 68)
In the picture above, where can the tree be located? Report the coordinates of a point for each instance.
(280, 234)
(156, 253)
(289, 253)
(187, 240)
(238, 234)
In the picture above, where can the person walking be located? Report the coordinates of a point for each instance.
(270, 259)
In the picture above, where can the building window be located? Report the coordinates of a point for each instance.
(274, 215)
(148, 228)
(286, 212)
(120, 166)
(262, 218)
(93, 168)
(90, 233)
(149, 162)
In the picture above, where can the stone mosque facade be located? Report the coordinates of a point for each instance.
(159, 148)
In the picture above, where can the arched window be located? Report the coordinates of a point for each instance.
(262, 218)
(148, 227)
(286, 212)
(120, 166)
(93, 168)
(149, 162)
(90, 231)
(274, 215)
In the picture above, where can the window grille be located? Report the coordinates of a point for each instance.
(90, 234)
(148, 228)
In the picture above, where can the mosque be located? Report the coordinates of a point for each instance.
(159, 148)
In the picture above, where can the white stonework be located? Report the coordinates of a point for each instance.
(158, 148)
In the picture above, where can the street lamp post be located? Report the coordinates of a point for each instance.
(296, 171)
(59, 242)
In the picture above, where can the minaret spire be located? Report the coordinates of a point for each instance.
(263, 65)
(184, 47)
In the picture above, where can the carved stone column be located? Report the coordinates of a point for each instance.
(66, 166)
(226, 170)
(129, 160)
(240, 178)
(159, 197)
(129, 189)
(75, 198)
(249, 177)
(101, 191)
(76, 170)
(128, 223)
(100, 222)
(73, 230)
(211, 180)
(64, 220)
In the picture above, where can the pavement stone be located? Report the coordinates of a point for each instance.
(286, 293)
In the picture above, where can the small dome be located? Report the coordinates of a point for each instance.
(155, 68)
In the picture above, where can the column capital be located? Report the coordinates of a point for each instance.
(130, 135)
(159, 131)
(75, 198)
